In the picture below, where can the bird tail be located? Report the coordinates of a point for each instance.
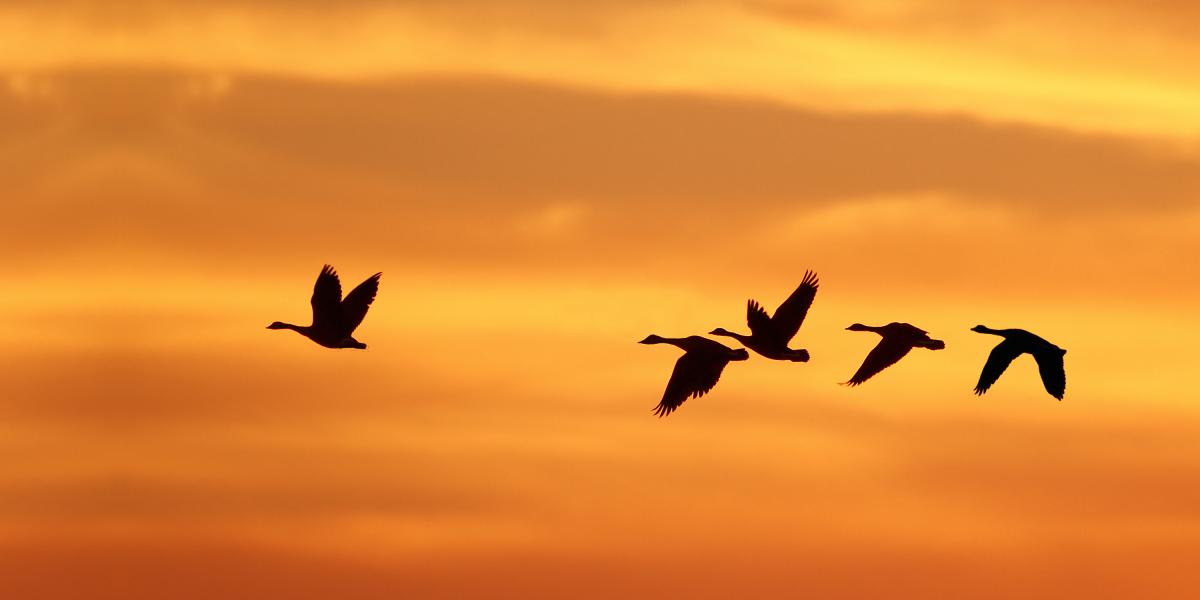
(933, 344)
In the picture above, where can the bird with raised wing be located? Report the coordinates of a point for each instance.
(898, 340)
(696, 372)
(1016, 342)
(335, 318)
(770, 335)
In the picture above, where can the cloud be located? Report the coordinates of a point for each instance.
(1163, 16)
(557, 19)
(231, 570)
(907, 497)
(169, 167)
(512, 141)
(449, 145)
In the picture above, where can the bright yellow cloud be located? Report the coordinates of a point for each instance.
(1044, 68)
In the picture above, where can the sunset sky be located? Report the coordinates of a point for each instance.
(543, 184)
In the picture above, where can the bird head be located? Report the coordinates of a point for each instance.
(857, 327)
(277, 325)
(719, 331)
(980, 329)
(652, 339)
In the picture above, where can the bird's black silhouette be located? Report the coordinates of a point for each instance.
(898, 340)
(696, 372)
(769, 335)
(1017, 342)
(335, 318)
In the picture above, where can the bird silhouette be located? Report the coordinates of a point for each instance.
(334, 318)
(770, 335)
(898, 340)
(1017, 342)
(696, 372)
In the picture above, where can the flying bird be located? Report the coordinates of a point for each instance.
(898, 340)
(1017, 342)
(696, 372)
(335, 318)
(769, 335)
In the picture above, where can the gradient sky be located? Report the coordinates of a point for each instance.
(542, 184)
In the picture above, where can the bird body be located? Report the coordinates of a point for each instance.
(1017, 342)
(696, 372)
(771, 334)
(335, 318)
(898, 340)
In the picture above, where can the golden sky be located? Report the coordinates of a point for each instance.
(542, 184)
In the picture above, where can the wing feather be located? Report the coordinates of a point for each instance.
(1054, 375)
(790, 315)
(758, 319)
(694, 375)
(354, 306)
(885, 354)
(326, 300)
(999, 359)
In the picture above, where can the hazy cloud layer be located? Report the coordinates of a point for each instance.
(511, 176)
(1163, 15)
(515, 141)
(164, 144)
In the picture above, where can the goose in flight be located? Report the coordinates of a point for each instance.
(696, 372)
(769, 335)
(898, 340)
(335, 318)
(1017, 342)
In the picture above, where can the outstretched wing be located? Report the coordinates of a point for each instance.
(1002, 355)
(885, 354)
(758, 319)
(326, 300)
(1054, 375)
(355, 306)
(694, 375)
(790, 315)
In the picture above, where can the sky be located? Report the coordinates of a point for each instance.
(543, 184)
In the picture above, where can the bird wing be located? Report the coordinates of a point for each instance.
(326, 299)
(788, 317)
(1054, 375)
(356, 303)
(885, 354)
(758, 319)
(694, 375)
(1002, 355)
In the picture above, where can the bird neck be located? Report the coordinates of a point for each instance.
(658, 339)
(861, 327)
(301, 329)
(733, 334)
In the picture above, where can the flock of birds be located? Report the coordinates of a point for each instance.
(700, 367)
(335, 318)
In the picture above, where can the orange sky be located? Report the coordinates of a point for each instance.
(543, 184)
